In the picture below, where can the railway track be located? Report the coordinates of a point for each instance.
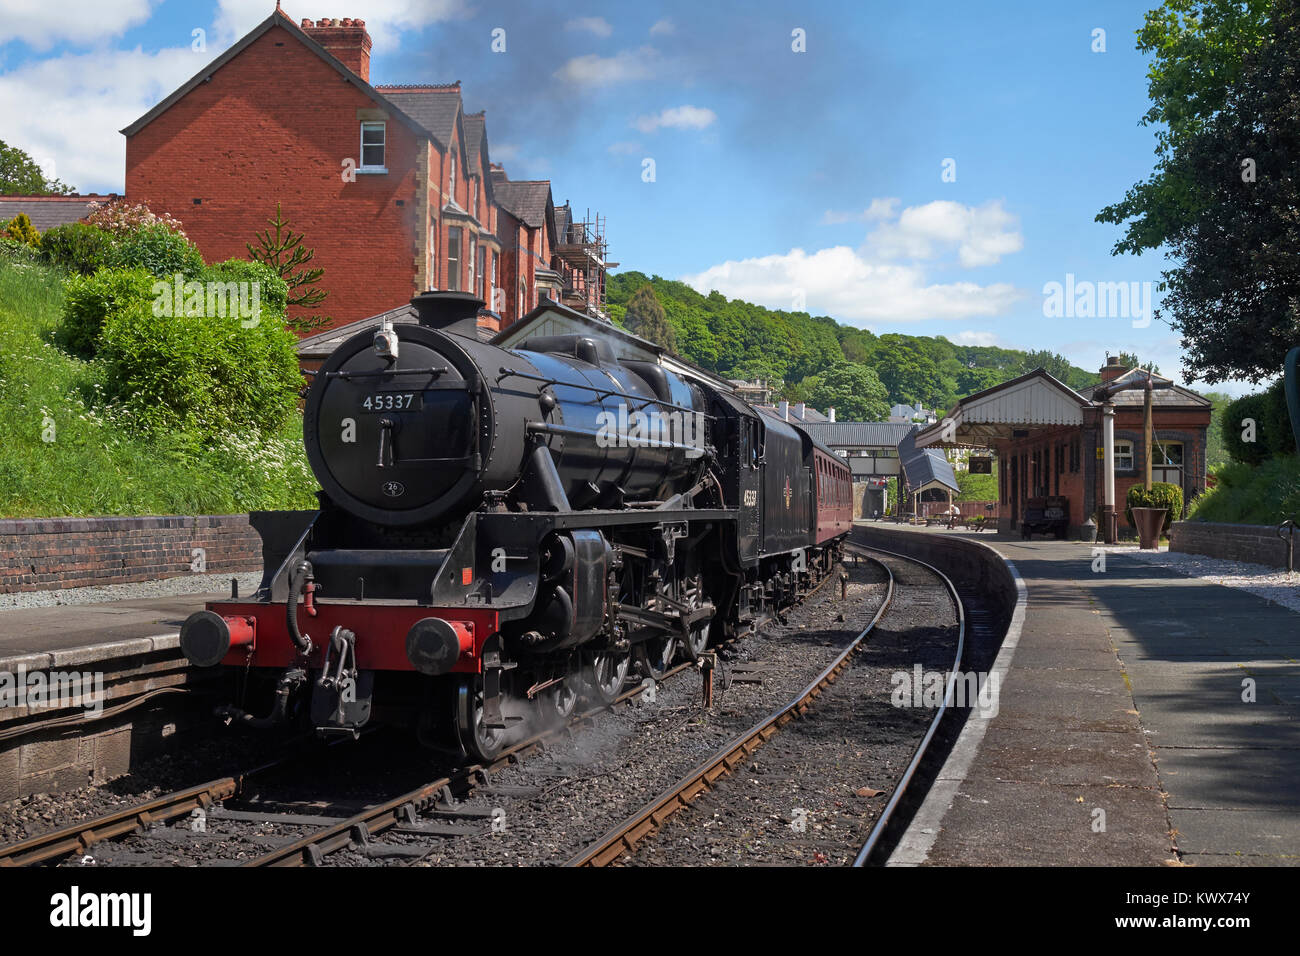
(626, 836)
(424, 810)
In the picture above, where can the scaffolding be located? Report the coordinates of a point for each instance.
(583, 259)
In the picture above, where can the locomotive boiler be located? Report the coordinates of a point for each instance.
(502, 532)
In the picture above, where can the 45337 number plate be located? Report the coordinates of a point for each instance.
(392, 402)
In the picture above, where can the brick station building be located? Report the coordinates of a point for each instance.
(392, 186)
(1048, 439)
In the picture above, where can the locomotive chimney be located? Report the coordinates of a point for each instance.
(448, 311)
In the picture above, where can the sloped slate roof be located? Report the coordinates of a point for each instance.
(1165, 393)
(45, 212)
(475, 126)
(434, 107)
(921, 466)
(857, 434)
(526, 200)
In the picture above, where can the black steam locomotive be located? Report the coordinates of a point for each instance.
(503, 531)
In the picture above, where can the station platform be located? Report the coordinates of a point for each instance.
(1125, 733)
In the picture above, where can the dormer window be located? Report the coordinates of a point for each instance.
(451, 180)
(372, 148)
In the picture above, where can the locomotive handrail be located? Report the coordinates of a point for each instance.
(506, 372)
(375, 373)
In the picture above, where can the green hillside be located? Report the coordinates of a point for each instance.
(795, 350)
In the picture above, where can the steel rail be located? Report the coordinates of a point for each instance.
(80, 837)
(900, 789)
(359, 828)
(651, 817)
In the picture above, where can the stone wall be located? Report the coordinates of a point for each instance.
(1255, 543)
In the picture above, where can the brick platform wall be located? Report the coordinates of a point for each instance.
(1255, 543)
(38, 554)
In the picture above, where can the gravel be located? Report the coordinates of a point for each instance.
(143, 590)
(1274, 585)
(812, 793)
(540, 811)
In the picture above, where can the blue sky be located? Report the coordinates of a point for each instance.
(781, 177)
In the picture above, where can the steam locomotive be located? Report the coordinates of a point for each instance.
(502, 532)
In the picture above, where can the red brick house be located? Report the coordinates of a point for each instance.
(393, 186)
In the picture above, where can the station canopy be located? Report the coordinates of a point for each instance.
(1034, 400)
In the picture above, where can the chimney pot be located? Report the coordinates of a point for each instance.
(344, 39)
(830, 414)
(784, 411)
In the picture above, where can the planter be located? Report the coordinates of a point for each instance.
(1088, 531)
(1149, 522)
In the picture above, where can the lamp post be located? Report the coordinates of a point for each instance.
(1110, 533)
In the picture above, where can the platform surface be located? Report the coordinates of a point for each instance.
(1128, 693)
(42, 637)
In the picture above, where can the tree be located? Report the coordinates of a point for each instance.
(1199, 48)
(908, 374)
(1130, 360)
(21, 176)
(1235, 296)
(285, 253)
(646, 318)
(854, 391)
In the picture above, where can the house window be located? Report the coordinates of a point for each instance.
(482, 269)
(471, 262)
(1123, 456)
(473, 184)
(451, 180)
(372, 148)
(1167, 453)
(523, 293)
(453, 259)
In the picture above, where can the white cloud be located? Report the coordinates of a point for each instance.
(597, 25)
(677, 117)
(624, 148)
(84, 22)
(982, 234)
(663, 27)
(879, 209)
(594, 70)
(972, 337)
(386, 20)
(72, 107)
(843, 283)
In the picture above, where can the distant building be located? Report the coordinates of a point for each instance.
(878, 451)
(46, 212)
(912, 413)
(1048, 439)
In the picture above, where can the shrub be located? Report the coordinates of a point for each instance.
(89, 300)
(1273, 434)
(20, 229)
(204, 374)
(119, 217)
(157, 248)
(76, 246)
(1161, 495)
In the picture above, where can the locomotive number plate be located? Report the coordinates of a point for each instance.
(392, 402)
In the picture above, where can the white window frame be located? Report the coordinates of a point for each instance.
(451, 180)
(473, 264)
(454, 264)
(1122, 456)
(362, 166)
